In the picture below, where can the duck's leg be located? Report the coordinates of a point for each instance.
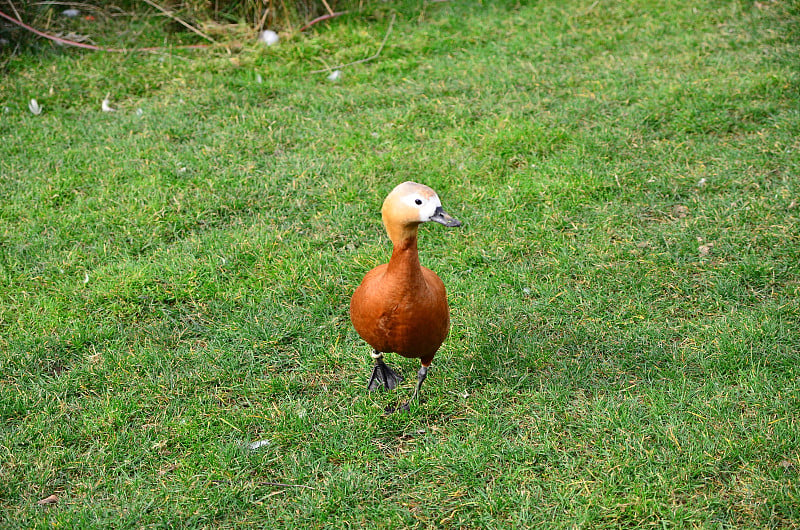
(383, 375)
(421, 375)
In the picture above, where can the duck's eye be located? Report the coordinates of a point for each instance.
(418, 201)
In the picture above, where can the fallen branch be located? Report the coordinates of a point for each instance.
(364, 60)
(67, 42)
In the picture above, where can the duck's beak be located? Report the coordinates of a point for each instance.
(442, 217)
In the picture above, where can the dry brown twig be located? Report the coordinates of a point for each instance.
(323, 17)
(330, 11)
(60, 40)
(263, 19)
(14, 9)
(180, 21)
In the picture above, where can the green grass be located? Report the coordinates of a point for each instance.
(175, 284)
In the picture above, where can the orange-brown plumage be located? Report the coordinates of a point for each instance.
(401, 306)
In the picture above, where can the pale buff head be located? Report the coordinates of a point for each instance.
(407, 206)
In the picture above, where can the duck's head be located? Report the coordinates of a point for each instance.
(410, 204)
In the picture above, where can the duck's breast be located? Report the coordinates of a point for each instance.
(393, 315)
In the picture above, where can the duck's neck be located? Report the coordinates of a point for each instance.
(405, 259)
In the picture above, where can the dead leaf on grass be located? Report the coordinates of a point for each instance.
(167, 469)
(52, 499)
(680, 211)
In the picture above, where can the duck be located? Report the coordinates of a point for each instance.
(400, 306)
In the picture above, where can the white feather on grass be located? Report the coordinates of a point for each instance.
(106, 104)
(34, 107)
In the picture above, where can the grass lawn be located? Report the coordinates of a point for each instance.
(625, 290)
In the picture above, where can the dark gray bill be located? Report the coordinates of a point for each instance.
(440, 216)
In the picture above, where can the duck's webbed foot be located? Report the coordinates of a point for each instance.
(421, 375)
(383, 375)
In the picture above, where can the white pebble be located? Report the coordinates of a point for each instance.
(70, 13)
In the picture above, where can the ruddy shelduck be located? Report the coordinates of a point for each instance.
(401, 306)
